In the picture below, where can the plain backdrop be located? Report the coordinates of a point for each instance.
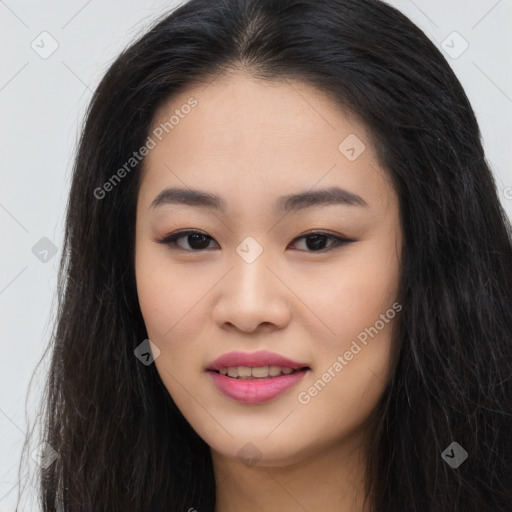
(42, 100)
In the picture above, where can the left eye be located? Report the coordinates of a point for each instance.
(199, 241)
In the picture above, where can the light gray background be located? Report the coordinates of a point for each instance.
(42, 101)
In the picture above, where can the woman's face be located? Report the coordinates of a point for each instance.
(263, 274)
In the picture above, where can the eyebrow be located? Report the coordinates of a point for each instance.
(287, 203)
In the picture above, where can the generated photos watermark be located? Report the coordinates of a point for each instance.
(304, 397)
(151, 143)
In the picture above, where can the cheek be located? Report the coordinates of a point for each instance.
(170, 302)
(166, 293)
(155, 297)
(351, 297)
(353, 363)
(353, 357)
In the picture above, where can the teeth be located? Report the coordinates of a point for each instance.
(261, 372)
(243, 371)
(274, 371)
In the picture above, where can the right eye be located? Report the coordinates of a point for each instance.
(196, 240)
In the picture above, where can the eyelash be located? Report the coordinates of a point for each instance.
(170, 240)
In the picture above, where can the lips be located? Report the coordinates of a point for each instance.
(255, 388)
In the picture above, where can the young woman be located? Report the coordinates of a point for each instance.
(287, 275)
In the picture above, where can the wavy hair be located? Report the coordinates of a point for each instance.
(123, 444)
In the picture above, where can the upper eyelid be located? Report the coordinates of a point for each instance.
(179, 234)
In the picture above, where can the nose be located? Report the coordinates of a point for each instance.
(252, 297)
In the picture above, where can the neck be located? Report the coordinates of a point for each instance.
(329, 480)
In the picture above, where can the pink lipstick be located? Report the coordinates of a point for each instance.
(255, 377)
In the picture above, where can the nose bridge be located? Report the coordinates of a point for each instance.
(252, 295)
(251, 272)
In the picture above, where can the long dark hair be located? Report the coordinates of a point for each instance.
(122, 443)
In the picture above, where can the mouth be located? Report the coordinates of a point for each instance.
(256, 385)
(255, 377)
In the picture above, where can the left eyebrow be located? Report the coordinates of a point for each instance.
(287, 203)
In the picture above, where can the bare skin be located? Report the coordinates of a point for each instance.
(250, 142)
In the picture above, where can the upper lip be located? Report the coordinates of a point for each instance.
(254, 360)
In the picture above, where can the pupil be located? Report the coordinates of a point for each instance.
(318, 241)
(202, 238)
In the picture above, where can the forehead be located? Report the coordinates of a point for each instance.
(259, 136)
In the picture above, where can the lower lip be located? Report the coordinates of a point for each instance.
(255, 391)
